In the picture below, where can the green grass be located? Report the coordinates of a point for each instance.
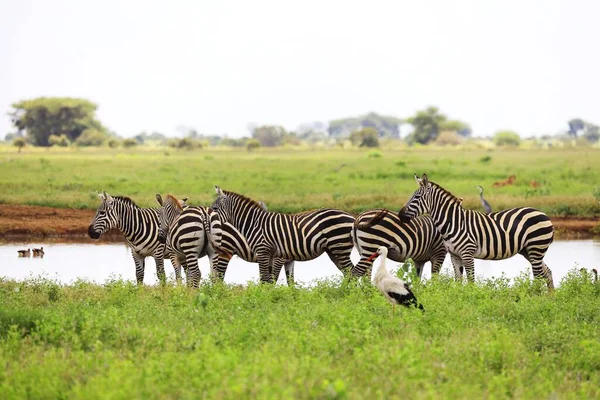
(291, 181)
(484, 340)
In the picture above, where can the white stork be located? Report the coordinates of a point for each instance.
(395, 290)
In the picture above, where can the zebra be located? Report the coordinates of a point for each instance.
(470, 234)
(418, 239)
(186, 233)
(182, 224)
(138, 225)
(275, 237)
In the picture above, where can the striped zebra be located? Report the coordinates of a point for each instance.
(418, 239)
(182, 224)
(470, 234)
(138, 225)
(275, 237)
(187, 233)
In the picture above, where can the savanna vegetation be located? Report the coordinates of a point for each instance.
(483, 340)
(561, 182)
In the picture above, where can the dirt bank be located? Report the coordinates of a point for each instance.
(27, 221)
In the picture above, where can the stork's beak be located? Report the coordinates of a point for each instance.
(373, 256)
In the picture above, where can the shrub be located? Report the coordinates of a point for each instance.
(62, 140)
(128, 143)
(114, 143)
(20, 143)
(485, 159)
(448, 138)
(507, 138)
(90, 137)
(252, 144)
(374, 154)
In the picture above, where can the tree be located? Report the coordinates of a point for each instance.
(386, 126)
(575, 126)
(127, 143)
(459, 127)
(592, 133)
(45, 116)
(448, 138)
(367, 137)
(269, 135)
(20, 143)
(427, 125)
(507, 138)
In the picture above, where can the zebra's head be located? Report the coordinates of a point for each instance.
(222, 204)
(419, 201)
(168, 212)
(106, 217)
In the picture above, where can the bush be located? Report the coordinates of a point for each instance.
(185, 143)
(485, 159)
(62, 140)
(90, 137)
(252, 144)
(128, 143)
(374, 154)
(367, 137)
(448, 138)
(507, 138)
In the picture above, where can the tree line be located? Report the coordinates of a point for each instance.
(61, 121)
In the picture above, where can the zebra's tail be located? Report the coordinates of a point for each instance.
(374, 220)
(214, 232)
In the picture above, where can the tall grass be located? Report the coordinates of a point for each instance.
(483, 340)
(291, 181)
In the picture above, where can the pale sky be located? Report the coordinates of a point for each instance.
(218, 65)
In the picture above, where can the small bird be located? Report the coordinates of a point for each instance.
(486, 206)
(24, 253)
(393, 288)
(38, 252)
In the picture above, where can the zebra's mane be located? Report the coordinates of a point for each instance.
(126, 200)
(174, 201)
(243, 198)
(453, 197)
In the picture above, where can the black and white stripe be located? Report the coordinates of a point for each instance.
(470, 234)
(187, 234)
(417, 239)
(275, 237)
(138, 225)
(187, 230)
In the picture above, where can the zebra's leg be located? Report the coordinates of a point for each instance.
(342, 261)
(436, 266)
(193, 275)
(419, 266)
(160, 269)
(457, 263)
(548, 275)
(289, 272)
(277, 264)
(541, 270)
(469, 263)
(140, 264)
(176, 266)
(221, 264)
(263, 257)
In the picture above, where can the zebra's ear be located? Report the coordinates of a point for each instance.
(108, 198)
(218, 190)
(101, 196)
(159, 199)
(425, 180)
(183, 201)
(419, 181)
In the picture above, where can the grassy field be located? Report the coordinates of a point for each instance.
(291, 181)
(484, 340)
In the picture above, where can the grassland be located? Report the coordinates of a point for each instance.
(292, 181)
(484, 340)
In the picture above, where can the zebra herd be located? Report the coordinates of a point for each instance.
(431, 224)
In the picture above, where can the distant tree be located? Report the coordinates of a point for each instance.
(386, 126)
(61, 141)
(127, 143)
(575, 126)
(231, 142)
(91, 137)
(367, 137)
(592, 133)
(45, 116)
(448, 138)
(252, 144)
(507, 138)
(269, 135)
(427, 125)
(459, 127)
(19, 143)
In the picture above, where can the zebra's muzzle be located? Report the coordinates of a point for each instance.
(92, 233)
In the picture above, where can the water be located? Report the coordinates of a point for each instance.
(98, 262)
